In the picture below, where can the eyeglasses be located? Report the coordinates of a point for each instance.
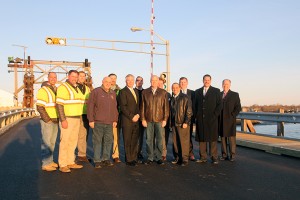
(138, 80)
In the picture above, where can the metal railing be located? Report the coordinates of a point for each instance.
(10, 117)
(280, 118)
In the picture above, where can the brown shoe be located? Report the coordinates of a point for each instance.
(75, 166)
(164, 158)
(117, 160)
(65, 169)
(82, 159)
(48, 168)
(54, 165)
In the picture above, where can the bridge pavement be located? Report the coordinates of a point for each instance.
(254, 175)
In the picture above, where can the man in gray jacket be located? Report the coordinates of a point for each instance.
(102, 114)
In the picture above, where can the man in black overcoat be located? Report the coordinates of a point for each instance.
(227, 120)
(208, 106)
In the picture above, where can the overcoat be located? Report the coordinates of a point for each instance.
(207, 111)
(231, 108)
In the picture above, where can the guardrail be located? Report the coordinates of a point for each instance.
(10, 117)
(280, 118)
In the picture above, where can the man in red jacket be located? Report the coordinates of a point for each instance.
(102, 114)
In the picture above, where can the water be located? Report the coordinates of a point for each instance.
(290, 130)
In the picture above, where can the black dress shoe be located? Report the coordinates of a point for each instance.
(214, 161)
(132, 164)
(184, 163)
(140, 156)
(175, 161)
(148, 162)
(160, 162)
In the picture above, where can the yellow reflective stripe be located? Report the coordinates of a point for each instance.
(41, 102)
(50, 97)
(79, 101)
(50, 104)
(59, 100)
(69, 90)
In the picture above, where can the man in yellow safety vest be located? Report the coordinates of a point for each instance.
(46, 98)
(69, 102)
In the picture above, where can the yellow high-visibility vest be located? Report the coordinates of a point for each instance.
(70, 99)
(46, 98)
(85, 99)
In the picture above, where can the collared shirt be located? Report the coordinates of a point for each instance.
(153, 90)
(205, 89)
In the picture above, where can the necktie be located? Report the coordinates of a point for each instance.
(134, 95)
(204, 93)
(224, 94)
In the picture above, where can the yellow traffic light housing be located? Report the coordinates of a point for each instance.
(56, 41)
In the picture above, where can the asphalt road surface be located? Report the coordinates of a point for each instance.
(254, 175)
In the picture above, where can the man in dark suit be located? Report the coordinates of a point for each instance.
(139, 81)
(227, 121)
(208, 106)
(129, 106)
(183, 82)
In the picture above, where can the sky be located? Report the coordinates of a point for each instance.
(254, 43)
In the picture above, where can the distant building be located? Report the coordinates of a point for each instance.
(6, 99)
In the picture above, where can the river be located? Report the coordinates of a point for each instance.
(290, 130)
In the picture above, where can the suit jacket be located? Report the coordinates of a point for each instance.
(207, 111)
(231, 108)
(128, 106)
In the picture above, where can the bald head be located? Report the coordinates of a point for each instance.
(154, 81)
(106, 83)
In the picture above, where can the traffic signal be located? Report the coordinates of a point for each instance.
(56, 41)
(163, 76)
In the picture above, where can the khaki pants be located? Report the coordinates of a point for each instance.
(212, 150)
(115, 153)
(231, 143)
(82, 137)
(68, 142)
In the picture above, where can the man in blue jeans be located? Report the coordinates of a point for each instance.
(46, 98)
(102, 114)
(154, 116)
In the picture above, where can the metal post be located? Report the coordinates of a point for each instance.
(280, 125)
(168, 64)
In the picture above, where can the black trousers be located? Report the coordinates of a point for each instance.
(141, 138)
(131, 139)
(191, 153)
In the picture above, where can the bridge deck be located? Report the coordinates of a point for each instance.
(254, 175)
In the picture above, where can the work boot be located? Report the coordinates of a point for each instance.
(65, 169)
(75, 166)
(48, 168)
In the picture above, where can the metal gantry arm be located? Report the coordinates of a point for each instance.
(167, 54)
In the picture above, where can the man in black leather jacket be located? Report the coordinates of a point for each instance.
(180, 117)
